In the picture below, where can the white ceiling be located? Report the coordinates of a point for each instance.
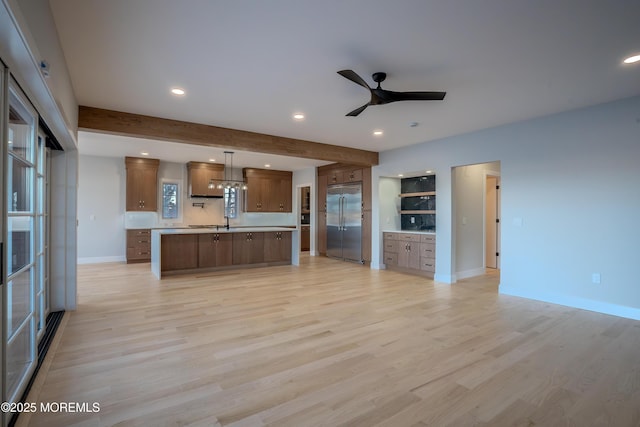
(250, 64)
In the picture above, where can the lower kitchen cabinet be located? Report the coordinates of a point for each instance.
(277, 246)
(179, 251)
(305, 237)
(191, 252)
(410, 252)
(215, 250)
(248, 248)
(138, 245)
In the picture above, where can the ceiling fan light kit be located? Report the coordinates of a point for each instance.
(381, 96)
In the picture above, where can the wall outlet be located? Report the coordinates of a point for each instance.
(595, 278)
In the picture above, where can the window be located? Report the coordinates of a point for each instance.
(170, 200)
(230, 202)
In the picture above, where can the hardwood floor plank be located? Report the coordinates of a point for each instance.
(331, 343)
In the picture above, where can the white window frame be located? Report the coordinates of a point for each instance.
(179, 203)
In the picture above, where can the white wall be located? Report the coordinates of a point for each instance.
(101, 205)
(570, 180)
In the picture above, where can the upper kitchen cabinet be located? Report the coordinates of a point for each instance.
(200, 175)
(268, 190)
(142, 184)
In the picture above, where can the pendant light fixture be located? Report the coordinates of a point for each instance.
(228, 181)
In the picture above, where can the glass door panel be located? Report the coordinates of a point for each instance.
(21, 128)
(19, 293)
(20, 188)
(20, 358)
(19, 246)
(19, 185)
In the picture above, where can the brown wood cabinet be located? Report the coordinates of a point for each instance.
(192, 252)
(277, 246)
(199, 176)
(215, 250)
(409, 252)
(142, 184)
(248, 248)
(179, 251)
(321, 205)
(268, 190)
(138, 245)
(305, 237)
(412, 253)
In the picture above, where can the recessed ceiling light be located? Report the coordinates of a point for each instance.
(267, 165)
(177, 91)
(212, 160)
(428, 171)
(632, 59)
(400, 175)
(298, 116)
(377, 132)
(144, 153)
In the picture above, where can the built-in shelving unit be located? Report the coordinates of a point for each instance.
(418, 203)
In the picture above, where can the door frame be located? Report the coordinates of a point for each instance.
(487, 174)
(297, 210)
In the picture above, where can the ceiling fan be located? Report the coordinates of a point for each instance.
(380, 96)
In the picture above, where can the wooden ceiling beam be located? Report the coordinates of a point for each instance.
(136, 125)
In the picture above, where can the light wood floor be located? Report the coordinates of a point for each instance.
(334, 344)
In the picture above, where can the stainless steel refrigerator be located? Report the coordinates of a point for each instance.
(344, 222)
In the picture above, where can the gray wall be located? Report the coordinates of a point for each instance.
(569, 203)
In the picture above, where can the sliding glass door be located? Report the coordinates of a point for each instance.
(21, 243)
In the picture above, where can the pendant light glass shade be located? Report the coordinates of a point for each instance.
(228, 181)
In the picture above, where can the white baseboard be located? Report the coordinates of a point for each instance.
(101, 259)
(469, 273)
(575, 302)
(444, 278)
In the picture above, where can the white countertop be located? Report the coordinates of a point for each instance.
(220, 230)
(409, 232)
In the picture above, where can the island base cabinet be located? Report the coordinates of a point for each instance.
(188, 252)
(277, 246)
(179, 251)
(215, 250)
(248, 248)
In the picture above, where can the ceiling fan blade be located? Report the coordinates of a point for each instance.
(415, 96)
(351, 75)
(358, 110)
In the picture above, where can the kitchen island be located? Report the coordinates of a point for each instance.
(189, 250)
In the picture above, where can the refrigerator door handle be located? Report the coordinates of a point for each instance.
(342, 214)
(341, 221)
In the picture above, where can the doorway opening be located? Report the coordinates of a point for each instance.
(475, 220)
(305, 219)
